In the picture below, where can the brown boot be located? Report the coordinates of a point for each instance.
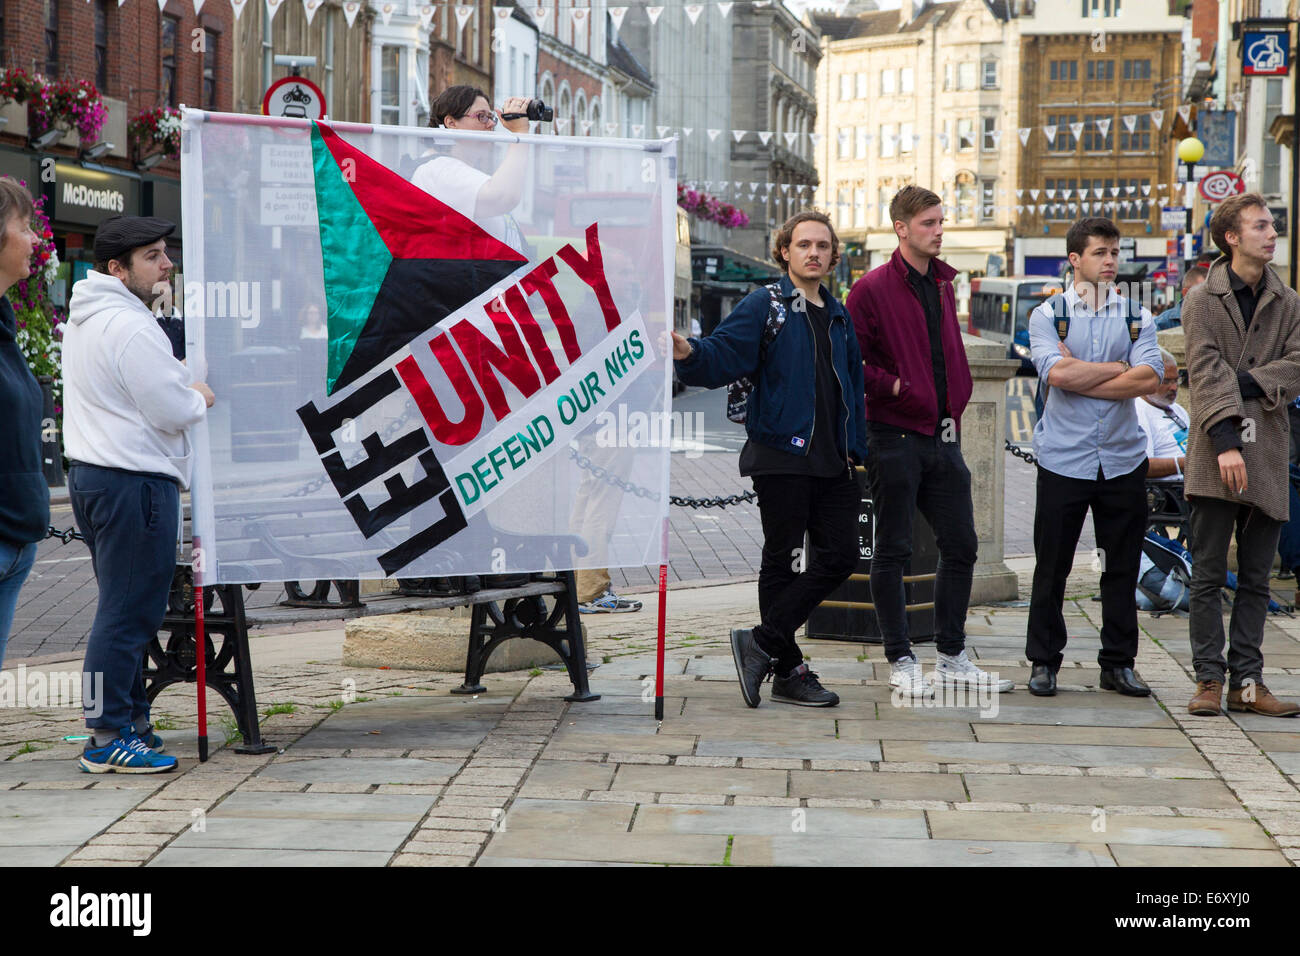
(1257, 699)
(1208, 699)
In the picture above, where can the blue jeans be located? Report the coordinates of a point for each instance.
(130, 523)
(15, 562)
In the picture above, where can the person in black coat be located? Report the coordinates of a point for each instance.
(24, 495)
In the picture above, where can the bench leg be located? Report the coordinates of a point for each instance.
(576, 659)
(475, 659)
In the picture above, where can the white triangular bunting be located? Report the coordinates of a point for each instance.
(816, 138)
(1050, 193)
(1033, 194)
(236, 7)
(943, 139)
(1114, 191)
(1158, 118)
(198, 5)
(713, 134)
(1096, 191)
(1185, 113)
(653, 13)
(785, 187)
(1103, 126)
(1146, 189)
(501, 14)
(350, 10)
(996, 134)
(463, 12)
(578, 16)
(1020, 193)
(617, 14)
(1050, 132)
(562, 126)
(693, 11)
(1130, 122)
(539, 14)
(1020, 209)
(738, 134)
(612, 128)
(1024, 135)
(687, 131)
(426, 16)
(790, 138)
(662, 131)
(1076, 129)
(586, 127)
(386, 11)
(637, 130)
(765, 136)
(725, 8)
(310, 7)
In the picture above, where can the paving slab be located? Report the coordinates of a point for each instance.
(1253, 722)
(770, 783)
(988, 732)
(310, 821)
(535, 845)
(1079, 828)
(1098, 791)
(888, 728)
(368, 770)
(576, 774)
(865, 785)
(790, 746)
(530, 814)
(408, 723)
(31, 818)
(516, 862)
(622, 743)
(42, 855)
(578, 722)
(808, 850)
(1187, 856)
(13, 772)
(1288, 761)
(1014, 710)
(223, 856)
(1273, 742)
(1057, 754)
(813, 821)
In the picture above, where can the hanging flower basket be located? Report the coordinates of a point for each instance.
(63, 106)
(16, 86)
(158, 129)
(39, 321)
(710, 208)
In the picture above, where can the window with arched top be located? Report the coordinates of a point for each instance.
(579, 112)
(564, 105)
(596, 118)
(965, 189)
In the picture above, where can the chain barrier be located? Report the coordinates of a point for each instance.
(70, 534)
(1026, 457)
(602, 474)
(313, 486)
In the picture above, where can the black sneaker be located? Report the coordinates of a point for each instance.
(753, 664)
(802, 688)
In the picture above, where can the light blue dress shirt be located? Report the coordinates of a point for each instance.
(1078, 435)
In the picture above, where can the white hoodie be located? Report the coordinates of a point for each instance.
(126, 400)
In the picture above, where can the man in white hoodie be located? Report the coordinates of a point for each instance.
(128, 404)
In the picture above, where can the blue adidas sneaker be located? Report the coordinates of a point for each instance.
(153, 741)
(125, 753)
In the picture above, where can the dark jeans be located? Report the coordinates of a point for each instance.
(789, 505)
(1213, 522)
(1293, 417)
(129, 521)
(907, 472)
(1119, 512)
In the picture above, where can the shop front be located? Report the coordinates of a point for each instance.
(78, 199)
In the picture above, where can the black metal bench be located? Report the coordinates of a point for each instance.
(1167, 508)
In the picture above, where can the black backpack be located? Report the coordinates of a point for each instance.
(1061, 315)
(738, 391)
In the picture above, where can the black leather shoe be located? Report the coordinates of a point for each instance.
(1125, 681)
(753, 665)
(1042, 683)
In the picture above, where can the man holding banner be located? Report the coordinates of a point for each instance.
(807, 428)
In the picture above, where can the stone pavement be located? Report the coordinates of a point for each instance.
(384, 767)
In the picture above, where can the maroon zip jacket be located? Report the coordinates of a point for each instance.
(890, 323)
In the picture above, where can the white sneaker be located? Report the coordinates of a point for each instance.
(960, 669)
(905, 674)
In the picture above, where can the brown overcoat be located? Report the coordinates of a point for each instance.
(1218, 347)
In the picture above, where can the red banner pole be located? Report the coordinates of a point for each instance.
(200, 652)
(663, 614)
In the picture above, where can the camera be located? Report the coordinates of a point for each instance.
(536, 110)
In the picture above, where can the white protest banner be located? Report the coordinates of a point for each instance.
(403, 388)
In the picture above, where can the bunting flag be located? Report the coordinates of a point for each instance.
(1103, 126)
(272, 8)
(1158, 118)
(456, 375)
(350, 10)
(611, 129)
(463, 13)
(1050, 132)
(386, 11)
(738, 134)
(687, 130)
(1024, 132)
(577, 17)
(586, 127)
(713, 134)
(1130, 122)
(663, 131)
(427, 12)
(236, 7)
(539, 14)
(790, 138)
(693, 11)
(502, 14)
(725, 8)
(198, 5)
(637, 130)
(310, 7)
(1076, 130)
(653, 13)
(764, 136)
(1185, 113)
(562, 125)
(617, 14)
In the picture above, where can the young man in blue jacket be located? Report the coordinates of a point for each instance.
(807, 429)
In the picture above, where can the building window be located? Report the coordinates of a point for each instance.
(1140, 139)
(167, 45)
(1061, 189)
(1093, 139)
(51, 21)
(1270, 178)
(905, 80)
(1063, 71)
(859, 208)
(966, 75)
(1101, 8)
(989, 78)
(947, 76)
(1133, 206)
(101, 44)
(210, 42)
(1101, 71)
(988, 131)
(965, 134)
(1137, 69)
(846, 86)
(861, 143)
(965, 198)
(1063, 141)
(947, 136)
(883, 200)
(886, 82)
(390, 93)
(861, 89)
(844, 142)
(905, 138)
(843, 207)
(887, 140)
(986, 199)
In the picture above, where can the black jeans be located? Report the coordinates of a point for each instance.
(130, 525)
(1119, 513)
(907, 472)
(789, 505)
(1213, 522)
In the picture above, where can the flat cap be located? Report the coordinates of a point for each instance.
(117, 236)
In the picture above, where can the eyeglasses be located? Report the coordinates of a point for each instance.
(486, 117)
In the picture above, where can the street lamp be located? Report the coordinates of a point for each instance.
(1190, 150)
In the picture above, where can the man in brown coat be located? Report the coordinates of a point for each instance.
(1242, 328)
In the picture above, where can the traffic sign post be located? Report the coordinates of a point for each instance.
(296, 97)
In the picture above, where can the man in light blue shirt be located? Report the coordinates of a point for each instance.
(1091, 454)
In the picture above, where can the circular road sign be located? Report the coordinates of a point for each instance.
(294, 96)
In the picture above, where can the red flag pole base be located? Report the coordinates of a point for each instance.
(659, 663)
(201, 662)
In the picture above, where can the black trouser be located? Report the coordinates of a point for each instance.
(789, 505)
(1213, 522)
(1119, 514)
(1293, 418)
(907, 472)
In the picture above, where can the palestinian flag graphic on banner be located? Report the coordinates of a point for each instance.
(397, 261)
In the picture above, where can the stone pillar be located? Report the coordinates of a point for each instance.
(984, 432)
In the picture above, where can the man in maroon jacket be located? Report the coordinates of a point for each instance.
(917, 384)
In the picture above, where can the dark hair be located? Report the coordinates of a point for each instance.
(14, 201)
(455, 102)
(909, 201)
(1076, 240)
(1192, 273)
(101, 265)
(1227, 216)
(786, 235)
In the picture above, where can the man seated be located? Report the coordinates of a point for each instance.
(1164, 424)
